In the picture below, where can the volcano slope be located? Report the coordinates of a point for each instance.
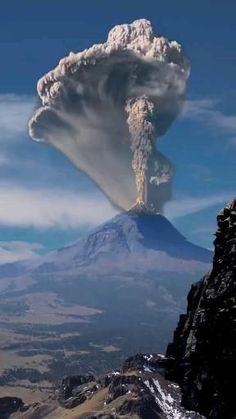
(83, 308)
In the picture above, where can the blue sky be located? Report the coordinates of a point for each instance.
(45, 202)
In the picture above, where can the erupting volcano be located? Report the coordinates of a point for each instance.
(105, 108)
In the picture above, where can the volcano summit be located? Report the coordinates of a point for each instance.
(131, 242)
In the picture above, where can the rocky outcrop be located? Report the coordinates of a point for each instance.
(75, 389)
(138, 390)
(202, 356)
(153, 362)
(9, 405)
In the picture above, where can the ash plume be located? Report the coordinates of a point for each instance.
(106, 106)
(141, 128)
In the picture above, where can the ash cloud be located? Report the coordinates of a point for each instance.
(106, 106)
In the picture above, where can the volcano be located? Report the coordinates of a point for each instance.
(130, 242)
(117, 291)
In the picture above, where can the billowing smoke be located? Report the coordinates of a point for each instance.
(141, 128)
(106, 106)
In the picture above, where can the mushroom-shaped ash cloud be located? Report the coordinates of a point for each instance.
(106, 106)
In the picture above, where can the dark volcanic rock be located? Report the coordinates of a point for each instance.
(139, 401)
(202, 355)
(75, 389)
(143, 407)
(9, 405)
(154, 362)
(132, 393)
(123, 384)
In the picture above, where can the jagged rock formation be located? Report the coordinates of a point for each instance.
(137, 390)
(74, 390)
(202, 355)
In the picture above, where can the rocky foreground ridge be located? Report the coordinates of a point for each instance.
(203, 353)
(196, 377)
(137, 390)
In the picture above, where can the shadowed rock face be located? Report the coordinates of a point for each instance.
(137, 391)
(202, 355)
(9, 405)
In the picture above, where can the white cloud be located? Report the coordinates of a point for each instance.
(188, 205)
(199, 108)
(13, 251)
(15, 111)
(47, 208)
(205, 111)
